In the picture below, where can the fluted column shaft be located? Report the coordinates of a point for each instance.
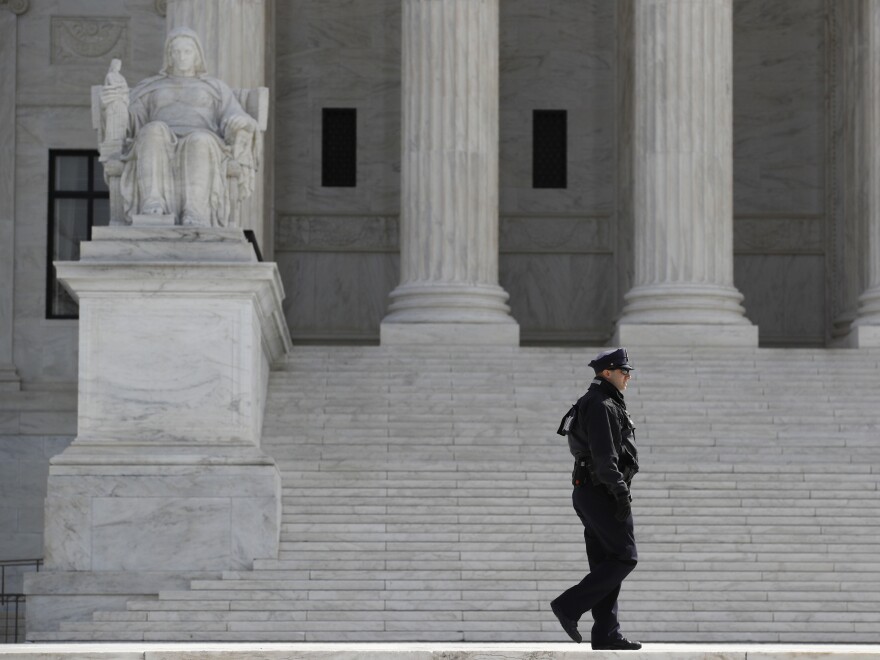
(449, 166)
(235, 38)
(682, 164)
(860, 37)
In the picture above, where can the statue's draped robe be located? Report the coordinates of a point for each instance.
(180, 127)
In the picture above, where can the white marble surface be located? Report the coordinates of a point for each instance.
(171, 350)
(433, 651)
(451, 334)
(159, 519)
(74, 595)
(166, 473)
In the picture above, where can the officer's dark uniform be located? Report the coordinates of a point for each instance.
(601, 437)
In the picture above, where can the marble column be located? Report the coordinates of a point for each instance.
(449, 289)
(8, 45)
(680, 160)
(858, 230)
(237, 46)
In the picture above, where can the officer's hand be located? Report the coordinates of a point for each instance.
(624, 509)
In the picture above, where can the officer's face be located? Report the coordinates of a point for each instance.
(617, 377)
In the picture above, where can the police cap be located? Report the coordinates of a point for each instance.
(616, 358)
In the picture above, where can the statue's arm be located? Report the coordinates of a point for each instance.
(233, 118)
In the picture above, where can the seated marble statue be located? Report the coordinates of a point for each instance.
(184, 130)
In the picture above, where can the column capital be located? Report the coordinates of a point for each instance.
(18, 7)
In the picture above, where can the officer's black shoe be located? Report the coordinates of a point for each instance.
(622, 644)
(569, 626)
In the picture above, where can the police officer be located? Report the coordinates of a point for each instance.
(601, 437)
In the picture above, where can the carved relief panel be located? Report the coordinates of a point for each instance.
(82, 39)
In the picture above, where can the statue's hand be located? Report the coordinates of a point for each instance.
(240, 123)
(113, 94)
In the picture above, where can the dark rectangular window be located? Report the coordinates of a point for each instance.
(550, 149)
(78, 200)
(339, 148)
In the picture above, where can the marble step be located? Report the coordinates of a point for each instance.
(554, 650)
(427, 494)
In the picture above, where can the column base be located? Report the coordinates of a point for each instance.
(864, 331)
(684, 315)
(686, 334)
(453, 314)
(862, 336)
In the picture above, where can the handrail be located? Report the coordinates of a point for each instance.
(13, 602)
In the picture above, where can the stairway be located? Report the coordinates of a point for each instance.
(426, 497)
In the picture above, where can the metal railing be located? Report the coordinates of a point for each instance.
(12, 600)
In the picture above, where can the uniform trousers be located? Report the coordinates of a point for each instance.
(611, 553)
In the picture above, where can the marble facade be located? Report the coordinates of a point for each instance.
(798, 238)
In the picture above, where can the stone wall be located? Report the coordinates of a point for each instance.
(24, 466)
(61, 49)
(33, 428)
(781, 224)
(59, 58)
(558, 245)
(337, 248)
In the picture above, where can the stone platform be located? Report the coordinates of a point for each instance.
(431, 651)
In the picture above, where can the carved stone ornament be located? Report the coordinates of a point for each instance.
(162, 7)
(15, 6)
(79, 38)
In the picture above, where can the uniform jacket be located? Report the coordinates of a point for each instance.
(600, 430)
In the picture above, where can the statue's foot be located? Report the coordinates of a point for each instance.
(191, 219)
(153, 207)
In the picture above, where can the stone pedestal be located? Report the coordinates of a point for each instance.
(449, 288)
(681, 168)
(166, 478)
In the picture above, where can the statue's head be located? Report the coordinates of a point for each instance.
(183, 54)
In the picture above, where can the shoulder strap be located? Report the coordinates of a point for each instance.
(567, 419)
